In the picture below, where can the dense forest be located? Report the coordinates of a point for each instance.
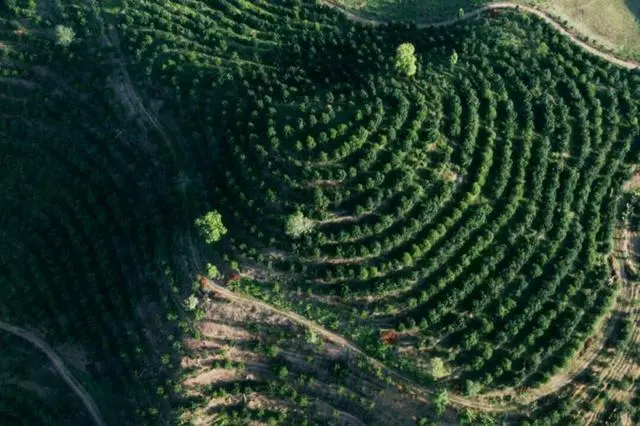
(459, 196)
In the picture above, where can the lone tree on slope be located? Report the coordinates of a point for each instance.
(64, 35)
(211, 227)
(405, 61)
(297, 224)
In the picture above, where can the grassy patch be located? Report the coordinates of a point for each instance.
(614, 23)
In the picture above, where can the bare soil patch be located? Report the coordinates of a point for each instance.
(633, 183)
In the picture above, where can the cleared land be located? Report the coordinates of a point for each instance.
(495, 7)
(249, 362)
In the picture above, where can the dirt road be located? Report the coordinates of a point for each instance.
(502, 5)
(59, 366)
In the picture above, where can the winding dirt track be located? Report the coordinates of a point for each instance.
(502, 5)
(59, 366)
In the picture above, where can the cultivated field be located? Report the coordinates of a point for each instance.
(411, 225)
(253, 364)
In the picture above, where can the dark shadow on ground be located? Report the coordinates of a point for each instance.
(634, 7)
(97, 244)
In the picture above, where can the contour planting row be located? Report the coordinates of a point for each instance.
(472, 337)
(469, 207)
(249, 364)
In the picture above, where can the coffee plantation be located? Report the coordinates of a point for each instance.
(445, 198)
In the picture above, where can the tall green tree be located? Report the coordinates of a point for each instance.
(297, 224)
(64, 35)
(211, 227)
(405, 60)
(454, 58)
(440, 401)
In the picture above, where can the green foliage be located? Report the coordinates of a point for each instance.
(454, 58)
(313, 338)
(472, 388)
(474, 418)
(212, 271)
(64, 35)
(297, 225)
(440, 401)
(211, 227)
(273, 351)
(470, 205)
(283, 372)
(438, 368)
(405, 59)
(191, 303)
(543, 49)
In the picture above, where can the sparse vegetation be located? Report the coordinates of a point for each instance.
(610, 23)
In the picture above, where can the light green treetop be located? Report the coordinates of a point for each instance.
(297, 224)
(191, 302)
(64, 35)
(211, 227)
(438, 368)
(405, 60)
(454, 58)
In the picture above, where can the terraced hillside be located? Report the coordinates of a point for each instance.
(251, 364)
(441, 205)
(456, 224)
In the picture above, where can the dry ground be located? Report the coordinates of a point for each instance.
(226, 335)
(613, 23)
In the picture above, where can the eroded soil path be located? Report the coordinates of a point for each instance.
(60, 368)
(502, 5)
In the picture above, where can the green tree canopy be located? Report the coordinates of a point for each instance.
(440, 401)
(211, 227)
(472, 388)
(64, 35)
(438, 368)
(454, 58)
(405, 61)
(297, 224)
(283, 372)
